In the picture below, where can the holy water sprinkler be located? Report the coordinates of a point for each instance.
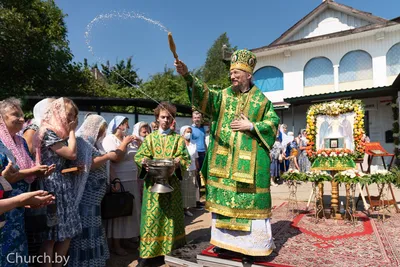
(172, 45)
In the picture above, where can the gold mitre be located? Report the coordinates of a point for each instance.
(243, 60)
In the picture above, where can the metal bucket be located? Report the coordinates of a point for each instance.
(160, 170)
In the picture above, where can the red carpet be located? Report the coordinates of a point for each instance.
(301, 242)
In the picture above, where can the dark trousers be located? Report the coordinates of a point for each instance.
(202, 155)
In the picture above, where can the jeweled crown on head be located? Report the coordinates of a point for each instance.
(243, 60)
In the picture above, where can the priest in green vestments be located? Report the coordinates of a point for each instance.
(237, 166)
(162, 226)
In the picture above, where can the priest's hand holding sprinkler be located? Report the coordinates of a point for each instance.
(181, 68)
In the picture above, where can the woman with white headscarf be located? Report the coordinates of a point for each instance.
(38, 112)
(90, 247)
(31, 215)
(140, 130)
(125, 169)
(189, 186)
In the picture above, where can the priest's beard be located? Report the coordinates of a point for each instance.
(240, 87)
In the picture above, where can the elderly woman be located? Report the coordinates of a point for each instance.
(189, 186)
(12, 237)
(90, 248)
(125, 169)
(32, 226)
(164, 211)
(55, 143)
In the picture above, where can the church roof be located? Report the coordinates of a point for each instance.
(359, 93)
(330, 36)
(339, 17)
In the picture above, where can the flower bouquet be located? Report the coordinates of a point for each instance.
(294, 175)
(382, 177)
(318, 176)
(396, 173)
(352, 176)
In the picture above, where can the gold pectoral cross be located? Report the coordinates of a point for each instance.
(242, 103)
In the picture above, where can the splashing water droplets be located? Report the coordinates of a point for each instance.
(116, 15)
(102, 18)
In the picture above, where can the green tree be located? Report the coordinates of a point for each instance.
(34, 54)
(122, 74)
(166, 86)
(215, 70)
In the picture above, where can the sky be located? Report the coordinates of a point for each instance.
(195, 26)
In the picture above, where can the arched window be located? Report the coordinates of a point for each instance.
(355, 66)
(318, 71)
(269, 79)
(393, 60)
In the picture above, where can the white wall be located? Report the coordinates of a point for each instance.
(327, 22)
(293, 66)
(108, 116)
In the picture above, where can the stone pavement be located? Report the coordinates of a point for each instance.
(198, 226)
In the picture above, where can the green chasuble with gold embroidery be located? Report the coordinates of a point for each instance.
(162, 226)
(237, 166)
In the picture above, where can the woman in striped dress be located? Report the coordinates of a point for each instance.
(90, 247)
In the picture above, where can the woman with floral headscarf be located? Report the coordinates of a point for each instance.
(15, 151)
(90, 248)
(124, 169)
(55, 143)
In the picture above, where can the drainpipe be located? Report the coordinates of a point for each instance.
(136, 116)
(336, 77)
(293, 118)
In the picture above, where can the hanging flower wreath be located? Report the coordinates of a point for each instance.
(335, 108)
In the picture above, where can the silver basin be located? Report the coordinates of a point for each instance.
(160, 170)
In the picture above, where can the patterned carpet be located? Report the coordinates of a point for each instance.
(302, 242)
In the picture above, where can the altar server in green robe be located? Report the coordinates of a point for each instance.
(162, 226)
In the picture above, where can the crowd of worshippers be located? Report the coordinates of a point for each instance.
(55, 175)
(288, 152)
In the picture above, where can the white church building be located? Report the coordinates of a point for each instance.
(335, 52)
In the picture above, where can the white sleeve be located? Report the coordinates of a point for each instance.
(109, 143)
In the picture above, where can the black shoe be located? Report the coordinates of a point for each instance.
(158, 261)
(219, 250)
(246, 260)
(216, 249)
(143, 263)
(199, 204)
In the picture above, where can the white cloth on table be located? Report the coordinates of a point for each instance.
(126, 171)
(257, 242)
